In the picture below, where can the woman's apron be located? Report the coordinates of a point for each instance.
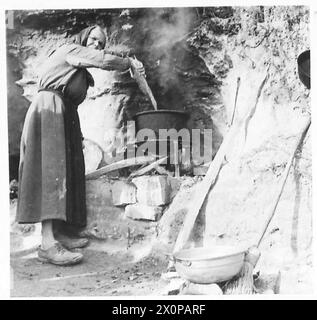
(73, 95)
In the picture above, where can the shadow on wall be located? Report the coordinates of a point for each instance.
(17, 108)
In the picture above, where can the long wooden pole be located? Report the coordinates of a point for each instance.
(212, 174)
(204, 188)
(282, 182)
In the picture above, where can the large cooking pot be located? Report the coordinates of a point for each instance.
(211, 264)
(161, 119)
(303, 62)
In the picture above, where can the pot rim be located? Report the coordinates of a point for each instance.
(161, 111)
(239, 251)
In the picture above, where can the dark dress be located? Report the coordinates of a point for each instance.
(52, 169)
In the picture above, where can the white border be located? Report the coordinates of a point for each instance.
(74, 4)
(4, 173)
(63, 4)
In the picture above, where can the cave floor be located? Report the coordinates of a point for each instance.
(111, 269)
(101, 273)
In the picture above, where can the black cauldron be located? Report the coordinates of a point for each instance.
(161, 119)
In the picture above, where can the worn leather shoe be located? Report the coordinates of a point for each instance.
(72, 243)
(58, 255)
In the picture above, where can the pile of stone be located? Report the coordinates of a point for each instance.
(145, 197)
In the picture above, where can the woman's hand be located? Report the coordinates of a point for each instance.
(119, 51)
(137, 66)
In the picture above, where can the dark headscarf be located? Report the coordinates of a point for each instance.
(82, 37)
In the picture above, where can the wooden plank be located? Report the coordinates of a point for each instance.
(163, 171)
(143, 85)
(119, 165)
(148, 168)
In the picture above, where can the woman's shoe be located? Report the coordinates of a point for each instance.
(71, 243)
(58, 255)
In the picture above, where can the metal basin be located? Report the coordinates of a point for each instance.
(209, 265)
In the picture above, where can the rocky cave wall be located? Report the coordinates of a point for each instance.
(254, 44)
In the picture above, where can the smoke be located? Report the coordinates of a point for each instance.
(169, 25)
(164, 30)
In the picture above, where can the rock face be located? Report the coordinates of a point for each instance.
(258, 43)
(257, 161)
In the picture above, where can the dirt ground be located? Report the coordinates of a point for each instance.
(107, 272)
(109, 268)
(102, 273)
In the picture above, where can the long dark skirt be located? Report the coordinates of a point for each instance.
(75, 169)
(52, 169)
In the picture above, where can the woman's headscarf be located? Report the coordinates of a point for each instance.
(82, 37)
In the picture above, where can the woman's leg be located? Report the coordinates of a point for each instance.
(48, 239)
(53, 251)
(67, 236)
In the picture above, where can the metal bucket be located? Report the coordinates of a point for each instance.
(209, 265)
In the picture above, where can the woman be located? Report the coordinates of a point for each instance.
(52, 169)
